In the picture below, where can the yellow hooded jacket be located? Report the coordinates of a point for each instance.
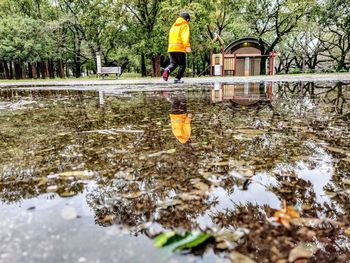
(179, 36)
(181, 126)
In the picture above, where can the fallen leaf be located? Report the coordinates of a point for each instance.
(338, 150)
(188, 197)
(347, 231)
(225, 163)
(308, 222)
(157, 154)
(168, 203)
(163, 238)
(131, 195)
(231, 235)
(201, 186)
(237, 257)
(52, 188)
(285, 215)
(346, 181)
(306, 233)
(251, 132)
(67, 194)
(173, 241)
(77, 174)
(331, 194)
(306, 206)
(193, 240)
(223, 245)
(107, 219)
(302, 251)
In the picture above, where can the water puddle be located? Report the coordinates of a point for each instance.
(176, 175)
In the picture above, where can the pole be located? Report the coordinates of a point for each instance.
(223, 60)
(273, 54)
(211, 63)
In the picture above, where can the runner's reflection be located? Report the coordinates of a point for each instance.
(180, 119)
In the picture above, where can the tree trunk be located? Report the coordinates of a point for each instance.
(341, 63)
(23, 70)
(77, 69)
(43, 70)
(38, 69)
(46, 67)
(204, 63)
(30, 71)
(7, 70)
(67, 70)
(11, 70)
(263, 59)
(17, 70)
(156, 65)
(51, 69)
(77, 58)
(2, 70)
(143, 65)
(34, 71)
(60, 68)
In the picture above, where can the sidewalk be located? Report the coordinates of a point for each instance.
(344, 77)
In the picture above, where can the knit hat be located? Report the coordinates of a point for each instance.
(185, 16)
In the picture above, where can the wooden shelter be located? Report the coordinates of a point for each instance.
(241, 58)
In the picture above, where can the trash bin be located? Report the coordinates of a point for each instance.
(217, 70)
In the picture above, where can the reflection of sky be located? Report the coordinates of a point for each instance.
(256, 194)
(319, 177)
(63, 230)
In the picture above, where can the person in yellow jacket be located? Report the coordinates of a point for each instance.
(179, 45)
(180, 120)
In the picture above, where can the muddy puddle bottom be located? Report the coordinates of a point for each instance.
(241, 173)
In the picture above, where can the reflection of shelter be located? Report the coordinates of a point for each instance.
(247, 94)
(242, 58)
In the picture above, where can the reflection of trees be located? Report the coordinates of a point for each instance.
(339, 191)
(270, 243)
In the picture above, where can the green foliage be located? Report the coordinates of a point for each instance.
(123, 31)
(25, 39)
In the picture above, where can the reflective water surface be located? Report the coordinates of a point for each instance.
(95, 176)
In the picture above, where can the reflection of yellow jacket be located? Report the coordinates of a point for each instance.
(181, 126)
(179, 36)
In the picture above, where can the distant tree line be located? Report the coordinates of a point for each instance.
(60, 38)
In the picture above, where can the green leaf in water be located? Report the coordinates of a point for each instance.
(173, 241)
(163, 238)
(193, 240)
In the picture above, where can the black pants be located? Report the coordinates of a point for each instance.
(177, 59)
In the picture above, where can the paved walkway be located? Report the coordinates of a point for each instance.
(344, 77)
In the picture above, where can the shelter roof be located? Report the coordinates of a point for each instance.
(241, 41)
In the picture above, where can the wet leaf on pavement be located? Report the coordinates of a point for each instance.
(302, 251)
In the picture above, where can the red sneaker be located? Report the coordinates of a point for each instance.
(166, 75)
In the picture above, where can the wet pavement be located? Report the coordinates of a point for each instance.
(96, 176)
(151, 82)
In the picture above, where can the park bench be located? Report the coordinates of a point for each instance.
(103, 71)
